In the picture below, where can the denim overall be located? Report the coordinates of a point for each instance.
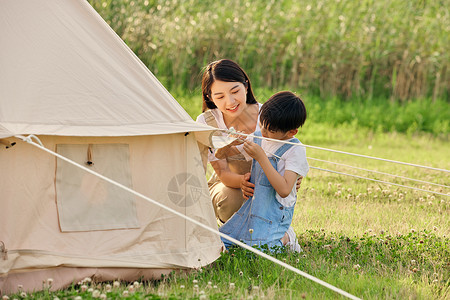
(268, 219)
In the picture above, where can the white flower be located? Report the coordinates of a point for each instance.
(23, 295)
(181, 286)
(90, 290)
(232, 286)
(125, 293)
(356, 267)
(5, 298)
(116, 284)
(103, 296)
(108, 288)
(87, 279)
(250, 230)
(78, 298)
(136, 284)
(96, 294)
(84, 288)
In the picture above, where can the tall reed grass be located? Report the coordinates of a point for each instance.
(389, 48)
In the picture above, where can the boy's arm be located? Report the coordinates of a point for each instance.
(282, 184)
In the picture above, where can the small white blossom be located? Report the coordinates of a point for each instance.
(96, 294)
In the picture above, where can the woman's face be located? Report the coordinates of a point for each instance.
(229, 97)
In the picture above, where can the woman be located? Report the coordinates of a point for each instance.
(228, 101)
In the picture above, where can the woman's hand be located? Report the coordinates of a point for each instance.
(246, 186)
(299, 182)
(228, 150)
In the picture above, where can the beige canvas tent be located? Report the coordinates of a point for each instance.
(67, 78)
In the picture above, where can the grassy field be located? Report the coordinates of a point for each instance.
(366, 49)
(373, 240)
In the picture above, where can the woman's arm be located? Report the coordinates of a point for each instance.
(229, 178)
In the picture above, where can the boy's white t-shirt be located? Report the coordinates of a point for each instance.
(294, 159)
(221, 125)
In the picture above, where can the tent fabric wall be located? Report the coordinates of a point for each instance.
(30, 226)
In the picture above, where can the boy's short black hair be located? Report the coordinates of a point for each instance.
(283, 111)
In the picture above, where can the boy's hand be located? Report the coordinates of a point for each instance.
(254, 150)
(246, 186)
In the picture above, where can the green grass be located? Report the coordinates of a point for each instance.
(377, 115)
(366, 49)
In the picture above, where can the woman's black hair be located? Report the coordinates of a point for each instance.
(228, 71)
(283, 111)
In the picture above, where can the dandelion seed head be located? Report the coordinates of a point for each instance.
(103, 296)
(116, 284)
(125, 293)
(250, 230)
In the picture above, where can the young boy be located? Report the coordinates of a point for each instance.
(266, 216)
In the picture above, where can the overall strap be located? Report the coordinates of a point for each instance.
(286, 147)
(257, 141)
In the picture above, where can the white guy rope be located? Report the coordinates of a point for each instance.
(381, 181)
(378, 172)
(215, 231)
(229, 131)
